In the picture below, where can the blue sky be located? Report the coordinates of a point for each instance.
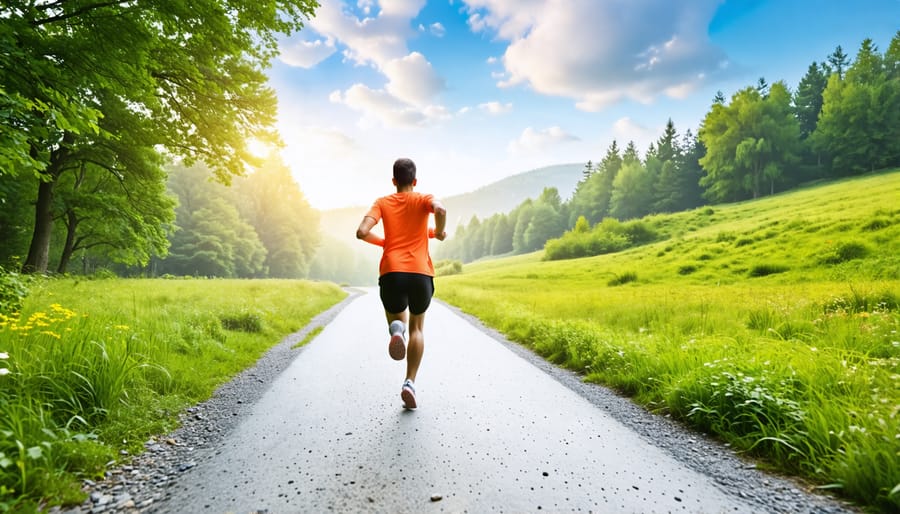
(477, 90)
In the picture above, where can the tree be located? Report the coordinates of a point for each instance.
(631, 154)
(522, 216)
(762, 87)
(749, 142)
(546, 223)
(808, 98)
(591, 197)
(185, 77)
(211, 239)
(144, 213)
(632, 192)
(838, 61)
(503, 236)
(859, 125)
(272, 202)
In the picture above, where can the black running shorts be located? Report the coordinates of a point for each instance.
(402, 290)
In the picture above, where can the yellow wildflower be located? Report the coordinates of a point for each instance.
(51, 334)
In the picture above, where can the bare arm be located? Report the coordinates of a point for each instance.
(365, 233)
(440, 220)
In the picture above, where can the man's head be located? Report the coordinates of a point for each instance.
(404, 172)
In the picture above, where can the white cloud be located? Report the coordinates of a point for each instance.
(409, 94)
(599, 53)
(306, 54)
(533, 140)
(412, 79)
(496, 107)
(437, 29)
(626, 129)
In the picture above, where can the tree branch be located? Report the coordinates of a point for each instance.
(84, 10)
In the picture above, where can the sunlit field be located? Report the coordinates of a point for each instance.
(92, 367)
(773, 324)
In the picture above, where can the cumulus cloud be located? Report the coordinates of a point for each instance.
(306, 54)
(495, 107)
(378, 40)
(599, 53)
(533, 140)
(412, 79)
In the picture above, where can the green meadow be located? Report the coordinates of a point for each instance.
(772, 324)
(89, 368)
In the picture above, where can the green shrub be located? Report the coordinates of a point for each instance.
(761, 270)
(876, 224)
(624, 278)
(639, 232)
(686, 269)
(744, 241)
(447, 267)
(845, 251)
(14, 288)
(249, 322)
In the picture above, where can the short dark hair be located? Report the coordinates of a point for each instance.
(404, 171)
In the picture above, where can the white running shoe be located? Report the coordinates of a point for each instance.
(397, 346)
(408, 395)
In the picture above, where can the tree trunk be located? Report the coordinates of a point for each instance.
(69, 247)
(39, 251)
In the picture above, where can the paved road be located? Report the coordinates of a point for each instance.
(493, 433)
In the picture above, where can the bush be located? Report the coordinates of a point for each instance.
(447, 267)
(14, 288)
(686, 269)
(744, 241)
(876, 224)
(608, 236)
(761, 270)
(845, 251)
(624, 278)
(249, 322)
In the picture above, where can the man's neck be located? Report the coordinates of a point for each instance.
(404, 189)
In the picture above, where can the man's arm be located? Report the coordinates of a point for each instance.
(364, 231)
(440, 220)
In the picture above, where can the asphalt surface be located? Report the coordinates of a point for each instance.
(494, 432)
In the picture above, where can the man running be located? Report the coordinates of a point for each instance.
(406, 273)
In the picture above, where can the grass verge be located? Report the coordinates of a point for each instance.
(774, 325)
(91, 368)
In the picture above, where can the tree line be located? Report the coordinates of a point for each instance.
(96, 98)
(843, 119)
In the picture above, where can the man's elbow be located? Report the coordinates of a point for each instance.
(361, 234)
(439, 210)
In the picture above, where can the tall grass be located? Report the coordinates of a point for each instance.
(90, 368)
(783, 339)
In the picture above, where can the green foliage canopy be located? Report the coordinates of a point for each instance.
(185, 76)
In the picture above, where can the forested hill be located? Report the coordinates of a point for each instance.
(499, 197)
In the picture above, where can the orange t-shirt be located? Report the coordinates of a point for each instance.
(405, 218)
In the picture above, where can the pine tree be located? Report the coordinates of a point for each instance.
(838, 61)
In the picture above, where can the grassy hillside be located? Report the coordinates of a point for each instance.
(773, 324)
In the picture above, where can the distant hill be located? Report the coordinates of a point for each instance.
(506, 194)
(499, 197)
(342, 259)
